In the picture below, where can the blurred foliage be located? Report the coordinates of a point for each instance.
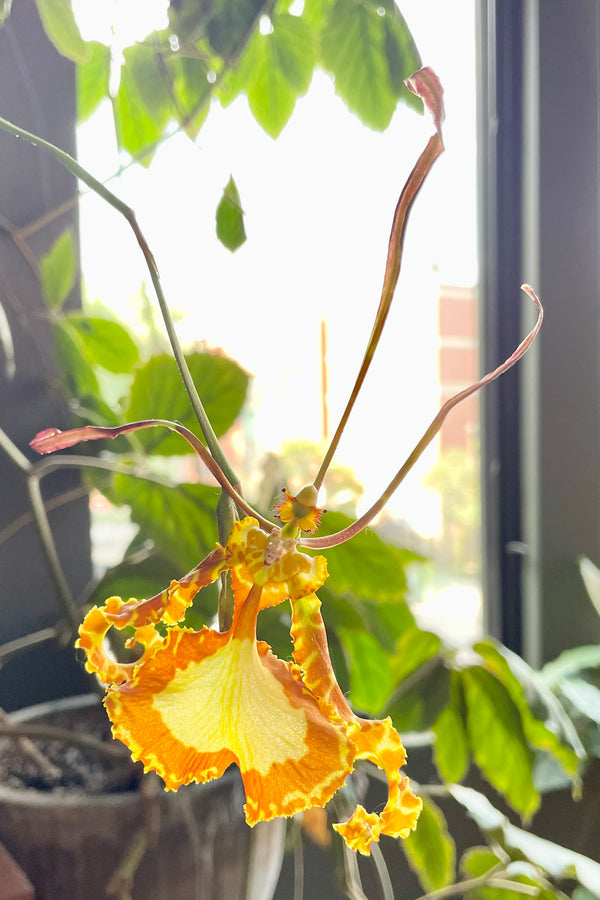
(456, 478)
(266, 50)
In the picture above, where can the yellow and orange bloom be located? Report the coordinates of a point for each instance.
(197, 701)
(299, 513)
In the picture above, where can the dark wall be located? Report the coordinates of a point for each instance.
(37, 92)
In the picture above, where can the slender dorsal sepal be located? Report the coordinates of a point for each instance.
(52, 439)
(426, 85)
(341, 537)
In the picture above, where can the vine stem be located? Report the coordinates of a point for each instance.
(497, 877)
(128, 213)
(49, 545)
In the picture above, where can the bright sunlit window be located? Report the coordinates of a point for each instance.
(295, 304)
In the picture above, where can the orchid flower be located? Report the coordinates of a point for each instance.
(194, 702)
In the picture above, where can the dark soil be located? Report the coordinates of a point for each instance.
(80, 769)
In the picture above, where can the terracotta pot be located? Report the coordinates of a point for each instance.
(70, 844)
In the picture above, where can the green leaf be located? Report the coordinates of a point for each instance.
(353, 50)
(106, 343)
(476, 861)
(584, 696)
(591, 578)
(92, 79)
(146, 68)
(58, 269)
(369, 666)
(417, 704)
(559, 862)
(230, 217)
(581, 893)
(180, 520)
(157, 392)
(192, 92)
(385, 621)
(230, 21)
(451, 749)
(571, 662)
(138, 130)
(78, 378)
(497, 739)
(430, 849)
(401, 53)
(277, 69)
(60, 26)
(517, 676)
(5, 6)
(414, 648)
(366, 565)
(137, 581)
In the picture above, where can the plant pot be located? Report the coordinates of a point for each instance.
(70, 842)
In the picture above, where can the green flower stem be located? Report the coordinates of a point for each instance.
(82, 174)
(226, 516)
(29, 640)
(13, 452)
(387, 891)
(56, 570)
(494, 878)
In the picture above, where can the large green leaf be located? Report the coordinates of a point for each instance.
(413, 648)
(138, 128)
(92, 79)
(192, 92)
(58, 269)
(401, 54)
(353, 49)
(277, 68)
(366, 565)
(157, 392)
(517, 677)
(418, 702)
(228, 22)
(230, 218)
(180, 520)
(430, 849)
(451, 750)
(60, 26)
(385, 621)
(369, 666)
(79, 379)
(498, 742)
(106, 343)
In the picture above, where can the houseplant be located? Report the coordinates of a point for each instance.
(427, 679)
